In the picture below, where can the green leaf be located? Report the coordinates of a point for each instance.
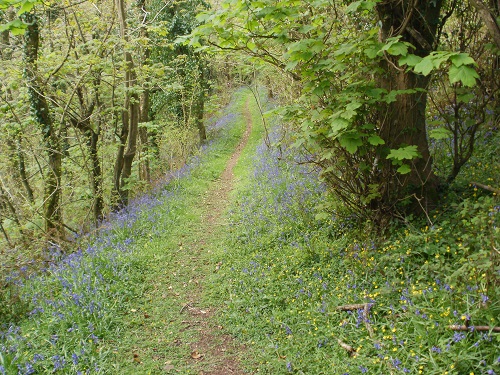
(425, 66)
(403, 153)
(410, 60)
(251, 45)
(353, 7)
(404, 169)
(440, 133)
(26, 7)
(16, 27)
(465, 98)
(322, 216)
(462, 59)
(338, 124)
(350, 142)
(398, 49)
(375, 140)
(464, 74)
(361, 5)
(371, 52)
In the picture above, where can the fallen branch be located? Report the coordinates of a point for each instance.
(347, 347)
(457, 327)
(356, 306)
(366, 313)
(486, 187)
(183, 307)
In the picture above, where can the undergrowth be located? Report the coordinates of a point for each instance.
(325, 297)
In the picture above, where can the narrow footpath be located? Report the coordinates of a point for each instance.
(169, 323)
(217, 352)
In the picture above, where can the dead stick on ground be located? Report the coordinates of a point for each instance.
(356, 306)
(366, 313)
(486, 187)
(183, 307)
(347, 347)
(474, 328)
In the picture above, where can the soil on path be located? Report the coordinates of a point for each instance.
(215, 352)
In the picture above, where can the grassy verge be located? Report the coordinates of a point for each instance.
(323, 297)
(113, 306)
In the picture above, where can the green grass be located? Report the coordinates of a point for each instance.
(115, 307)
(285, 275)
(120, 305)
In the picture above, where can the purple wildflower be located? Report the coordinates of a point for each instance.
(458, 336)
(59, 362)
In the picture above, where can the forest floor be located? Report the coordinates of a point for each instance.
(170, 325)
(213, 347)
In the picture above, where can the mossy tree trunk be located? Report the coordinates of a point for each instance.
(403, 122)
(129, 117)
(52, 179)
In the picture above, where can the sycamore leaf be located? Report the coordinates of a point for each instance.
(465, 98)
(353, 7)
(424, 67)
(291, 65)
(371, 52)
(462, 59)
(361, 5)
(403, 153)
(398, 49)
(404, 169)
(410, 60)
(464, 74)
(375, 140)
(440, 133)
(350, 142)
(338, 124)
(26, 7)
(16, 27)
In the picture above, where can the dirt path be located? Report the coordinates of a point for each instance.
(215, 353)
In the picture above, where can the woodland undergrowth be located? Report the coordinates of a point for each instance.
(328, 297)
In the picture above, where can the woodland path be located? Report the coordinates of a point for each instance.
(170, 324)
(215, 352)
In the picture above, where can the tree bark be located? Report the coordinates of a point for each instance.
(403, 122)
(93, 138)
(39, 106)
(489, 19)
(130, 119)
(144, 168)
(200, 110)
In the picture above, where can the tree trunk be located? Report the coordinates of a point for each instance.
(144, 168)
(199, 114)
(41, 112)
(403, 122)
(199, 105)
(22, 170)
(489, 18)
(130, 119)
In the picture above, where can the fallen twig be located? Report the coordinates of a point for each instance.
(347, 347)
(366, 313)
(486, 187)
(356, 306)
(457, 327)
(184, 307)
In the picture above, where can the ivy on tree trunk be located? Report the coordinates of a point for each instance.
(41, 112)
